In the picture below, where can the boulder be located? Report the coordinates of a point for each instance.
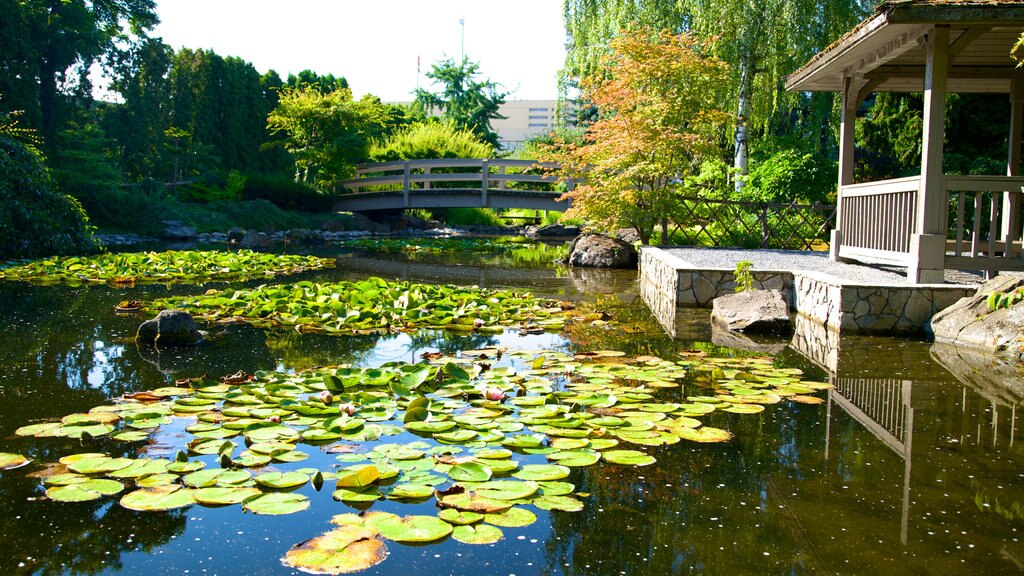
(176, 230)
(302, 236)
(969, 323)
(254, 239)
(755, 311)
(600, 251)
(345, 221)
(553, 231)
(629, 235)
(169, 328)
(235, 235)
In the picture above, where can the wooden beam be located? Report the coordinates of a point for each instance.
(892, 49)
(869, 87)
(963, 14)
(965, 40)
(889, 71)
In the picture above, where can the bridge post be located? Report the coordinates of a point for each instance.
(426, 183)
(484, 169)
(501, 182)
(405, 184)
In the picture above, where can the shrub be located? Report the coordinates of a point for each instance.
(430, 140)
(471, 217)
(286, 193)
(36, 220)
(790, 176)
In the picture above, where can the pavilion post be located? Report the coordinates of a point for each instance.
(847, 135)
(928, 243)
(1012, 198)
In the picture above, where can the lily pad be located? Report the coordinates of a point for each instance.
(224, 495)
(704, 434)
(511, 518)
(10, 461)
(411, 491)
(412, 529)
(349, 548)
(479, 534)
(628, 457)
(470, 472)
(281, 480)
(275, 503)
(158, 498)
(563, 503)
(542, 472)
(459, 517)
(99, 465)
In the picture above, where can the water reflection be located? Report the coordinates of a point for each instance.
(911, 465)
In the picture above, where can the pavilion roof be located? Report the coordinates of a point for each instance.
(887, 48)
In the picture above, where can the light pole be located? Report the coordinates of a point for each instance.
(462, 23)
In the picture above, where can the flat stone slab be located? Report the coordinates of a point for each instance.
(725, 259)
(756, 311)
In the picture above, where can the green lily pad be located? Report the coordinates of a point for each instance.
(275, 503)
(542, 472)
(65, 479)
(10, 461)
(575, 458)
(470, 472)
(627, 458)
(158, 498)
(224, 495)
(506, 489)
(72, 493)
(411, 491)
(281, 480)
(563, 503)
(470, 502)
(459, 517)
(744, 408)
(99, 465)
(365, 494)
(363, 476)
(349, 548)
(479, 534)
(511, 518)
(412, 529)
(154, 480)
(556, 488)
(431, 427)
(704, 434)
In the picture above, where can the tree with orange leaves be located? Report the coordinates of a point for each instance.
(661, 101)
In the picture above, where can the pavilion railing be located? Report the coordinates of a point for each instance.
(709, 222)
(877, 220)
(984, 214)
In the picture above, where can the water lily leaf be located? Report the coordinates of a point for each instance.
(470, 472)
(158, 498)
(459, 517)
(10, 461)
(430, 427)
(743, 408)
(575, 458)
(343, 550)
(64, 479)
(224, 495)
(603, 443)
(72, 493)
(506, 489)
(456, 437)
(627, 457)
(99, 465)
(556, 488)
(250, 459)
(480, 534)
(411, 491)
(542, 472)
(365, 494)
(412, 529)
(569, 443)
(275, 503)
(563, 503)
(281, 481)
(470, 502)
(359, 478)
(511, 518)
(154, 480)
(704, 434)
(804, 399)
(41, 430)
(185, 467)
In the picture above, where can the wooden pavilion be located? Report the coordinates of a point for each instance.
(931, 222)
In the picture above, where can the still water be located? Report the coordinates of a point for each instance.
(905, 469)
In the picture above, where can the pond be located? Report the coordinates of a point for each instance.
(903, 468)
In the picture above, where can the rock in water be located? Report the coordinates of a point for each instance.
(170, 328)
(969, 323)
(175, 230)
(761, 311)
(600, 251)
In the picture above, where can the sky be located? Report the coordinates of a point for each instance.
(375, 43)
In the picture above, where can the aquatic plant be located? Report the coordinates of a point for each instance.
(162, 267)
(374, 305)
(476, 455)
(999, 300)
(743, 278)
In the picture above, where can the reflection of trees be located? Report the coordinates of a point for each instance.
(448, 342)
(631, 329)
(84, 538)
(302, 351)
(700, 509)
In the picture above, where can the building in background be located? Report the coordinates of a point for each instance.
(523, 120)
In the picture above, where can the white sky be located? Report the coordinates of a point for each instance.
(374, 43)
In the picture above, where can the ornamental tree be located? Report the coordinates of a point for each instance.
(661, 101)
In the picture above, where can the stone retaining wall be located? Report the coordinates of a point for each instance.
(667, 282)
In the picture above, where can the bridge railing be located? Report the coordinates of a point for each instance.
(460, 174)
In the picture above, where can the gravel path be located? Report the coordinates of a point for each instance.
(795, 260)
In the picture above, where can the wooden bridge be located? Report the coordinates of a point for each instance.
(452, 183)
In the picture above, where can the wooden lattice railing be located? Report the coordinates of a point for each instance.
(707, 222)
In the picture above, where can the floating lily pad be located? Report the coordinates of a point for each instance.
(363, 476)
(575, 458)
(365, 494)
(412, 529)
(506, 489)
(349, 548)
(563, 503)
(744, 408)
(556, 488)
(158, 498)
(470, 502)
(281, 480)
(224, 495)
(470, 472)
(275, 503)
(627, 457)
(10, 461)
(542, 472)
(804, 399)
(704, 434)
(478, 534)
(72, 493)
(99, 465)
(411, 491)
(459, 517)
(511, 518)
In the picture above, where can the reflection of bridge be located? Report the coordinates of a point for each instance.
(452, 183)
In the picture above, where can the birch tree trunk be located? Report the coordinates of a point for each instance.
(741, 160)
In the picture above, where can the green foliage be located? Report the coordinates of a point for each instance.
(467, 103)
(286, 193)
(425, 140)
(1000, 300)
(35, 219)
(327, 134)
(792, 176)
(470, 217)
(219, 216)
(163, 267)
(744, 280)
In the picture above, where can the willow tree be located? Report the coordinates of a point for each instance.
(762, 40)
(660, 97)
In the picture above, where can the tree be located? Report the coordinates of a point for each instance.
(467, 103)
(327, 134)
(325, 84)
(430, 140)
(52, 45)
(661, 103)
(762, 40)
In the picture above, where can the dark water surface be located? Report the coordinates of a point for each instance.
(904, 470)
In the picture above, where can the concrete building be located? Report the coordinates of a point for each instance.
(523, 120)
